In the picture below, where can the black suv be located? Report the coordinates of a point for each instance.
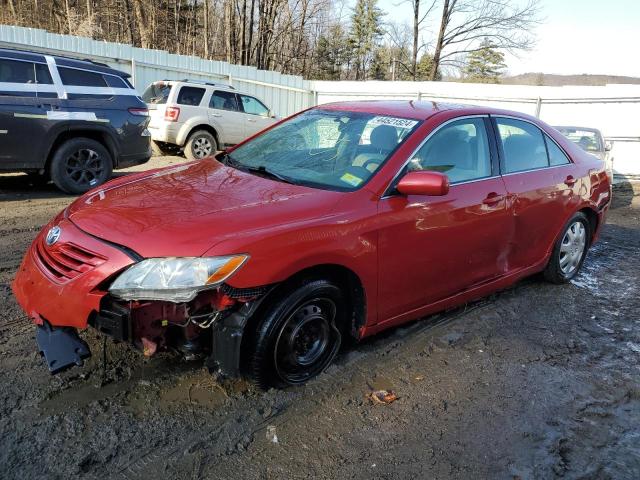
(69, 120)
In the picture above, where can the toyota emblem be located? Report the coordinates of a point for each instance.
(53, 235)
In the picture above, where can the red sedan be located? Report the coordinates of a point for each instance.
(341, 221)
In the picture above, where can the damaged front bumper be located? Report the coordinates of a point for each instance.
(61, 347)
(62, 288)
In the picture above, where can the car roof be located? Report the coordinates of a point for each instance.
(418, 109)
(62, 61)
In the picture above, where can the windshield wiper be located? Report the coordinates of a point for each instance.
(226, 159)
(263, 171)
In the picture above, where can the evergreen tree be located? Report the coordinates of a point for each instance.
(379, 65)
(485, 65)
(424, 68)
(332, 54)
(366, 31)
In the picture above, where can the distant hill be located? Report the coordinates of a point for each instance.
(560, 80)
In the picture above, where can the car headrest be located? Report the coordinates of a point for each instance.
(519, 145)
(384, 137)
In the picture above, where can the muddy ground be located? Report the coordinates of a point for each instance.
(538, 381)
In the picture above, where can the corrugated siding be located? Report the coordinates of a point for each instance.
(613, 109)
(284, 94)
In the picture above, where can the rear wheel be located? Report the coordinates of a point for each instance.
(298, 336)
(80, 164)
(570, 250)
(201, 144)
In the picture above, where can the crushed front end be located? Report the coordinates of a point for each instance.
(209, 326)
(65, 282)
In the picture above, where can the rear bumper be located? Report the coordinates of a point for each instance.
(602, 218)
(166, 132)
(65, 300)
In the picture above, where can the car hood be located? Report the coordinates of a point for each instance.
(186, 210)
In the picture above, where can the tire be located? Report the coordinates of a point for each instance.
(201, 144)
(298, 335)
(159, 149)
(570, 250)
(80, 164)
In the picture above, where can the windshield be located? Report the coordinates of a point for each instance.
(324, 148)
(587, 140)
(156, 93)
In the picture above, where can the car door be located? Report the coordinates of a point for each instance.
(256, 114)
(431, 248)
(23, 115)
(542, 190)
(226, 117)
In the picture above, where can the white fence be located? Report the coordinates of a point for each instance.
(285, 94)
(613, 109)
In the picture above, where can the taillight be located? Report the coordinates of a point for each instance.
(139, 112)
(171, 114)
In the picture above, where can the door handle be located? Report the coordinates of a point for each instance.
(252, 120)
(570, 181)
(215, 114)
(493, 198)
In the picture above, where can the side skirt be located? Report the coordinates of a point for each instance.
(455, 300)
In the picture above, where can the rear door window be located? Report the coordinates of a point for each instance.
(43, 77)
(81, 78)
(14, 71)
(224, 101)
(28, 73)
(190, 96)
(523, 145)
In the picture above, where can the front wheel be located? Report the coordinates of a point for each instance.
(298, 336)
(570, 250)
(80, 164)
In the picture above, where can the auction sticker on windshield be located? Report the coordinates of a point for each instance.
(351, 179)
(393, 121)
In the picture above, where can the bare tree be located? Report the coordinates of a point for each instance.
(418, 20)
(464, 23)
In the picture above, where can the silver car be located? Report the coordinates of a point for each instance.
(591, 141)
(202, 117)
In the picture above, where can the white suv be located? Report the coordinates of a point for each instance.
(201, 117)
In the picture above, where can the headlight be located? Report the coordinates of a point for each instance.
(174, 279)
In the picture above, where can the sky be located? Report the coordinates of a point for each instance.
(577, 36)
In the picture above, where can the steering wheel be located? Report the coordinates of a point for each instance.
(371, 162)
(359, 172)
